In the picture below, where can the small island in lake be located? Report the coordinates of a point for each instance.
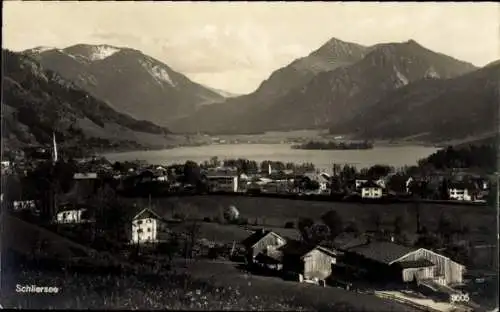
(332, 145)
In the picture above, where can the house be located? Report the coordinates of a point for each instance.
(222, 182)
(360, 182)
(463, 191)
(148, 227)
(73, 215)
(262, 248)
(19, 205)
(85, 176)
(389, 262)
(371, 190)
(311, 263)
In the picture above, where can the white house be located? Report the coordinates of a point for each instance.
(461, 191)
(73, 216)
(148, 227)
(85, 176)
(24, 205)
(359, 183)
(223, 182)
(371, 190)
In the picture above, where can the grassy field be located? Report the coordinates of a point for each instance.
(274, 212)
(318, 298)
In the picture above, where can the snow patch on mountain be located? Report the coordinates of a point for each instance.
(159, 73)
(42, 49)
(102, 52)
(402, 80)
(431, 73)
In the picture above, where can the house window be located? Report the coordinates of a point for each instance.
(148, 221)
(139, 222)
(149, 229)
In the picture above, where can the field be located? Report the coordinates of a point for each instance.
(306, 295)
(274, 212)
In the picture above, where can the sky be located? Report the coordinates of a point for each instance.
(235, 46)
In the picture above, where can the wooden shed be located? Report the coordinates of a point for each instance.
(265, 243)
(313, 262)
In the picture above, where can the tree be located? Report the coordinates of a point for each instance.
(445, 227)
(398, 225)
(304, 224)
(318, 233)
(443, 190)
(192, 234)
(334, 222)
(351, 227)
(376, 221)
(118, 166)
(378, 171)
(231, 214)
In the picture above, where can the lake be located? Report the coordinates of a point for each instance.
(397, 156)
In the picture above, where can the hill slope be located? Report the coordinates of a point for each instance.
(331, 96)
(466, 106)
(37, 102)
(128, 80)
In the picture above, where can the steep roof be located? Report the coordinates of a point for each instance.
(422, 263)
(147, 213)
(299, 248)
(370, 183)
(383, 252)
(255, 237)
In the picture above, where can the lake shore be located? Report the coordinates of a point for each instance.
(397, 156)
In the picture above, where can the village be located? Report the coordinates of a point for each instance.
(96, 211)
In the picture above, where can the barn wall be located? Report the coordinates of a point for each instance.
(318, 264)
(451, 271)
(421, 273)
(269, 241)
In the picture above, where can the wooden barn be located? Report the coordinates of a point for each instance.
(311, 262)
(444, 270)
(262, 248)
(389, 262)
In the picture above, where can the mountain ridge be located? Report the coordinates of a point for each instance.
(148, 88)
(37, 102)
(331, 95)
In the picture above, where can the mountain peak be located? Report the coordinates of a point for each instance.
(41, 49)
(337, 47)
(412, 42)
(92, 52)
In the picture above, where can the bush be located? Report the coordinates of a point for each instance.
(179, 216)
(289, 225)
(242, 221)
(207, 219)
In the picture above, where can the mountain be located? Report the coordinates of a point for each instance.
(128, 80)
(330, 56)
(464, 108)
(332, 95)
(37, 102)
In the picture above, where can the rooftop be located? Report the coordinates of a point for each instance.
(383, 252)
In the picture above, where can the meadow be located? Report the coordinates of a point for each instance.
(275, 212)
